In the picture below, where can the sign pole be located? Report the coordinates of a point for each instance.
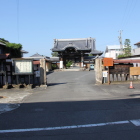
(108, 76)
(108, 62)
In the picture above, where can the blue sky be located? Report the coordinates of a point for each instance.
(35, 23)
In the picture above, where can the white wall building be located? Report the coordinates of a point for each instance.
(112, 51)
(136, 51)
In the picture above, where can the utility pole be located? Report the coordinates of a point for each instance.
(120, 40)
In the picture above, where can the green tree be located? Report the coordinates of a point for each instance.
(127, 49)
(90, 54)
(68, 63)
(12, 48)
(2, 40)
(54, 54)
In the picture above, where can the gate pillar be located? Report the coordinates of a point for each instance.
(98, 70)
(43, 76)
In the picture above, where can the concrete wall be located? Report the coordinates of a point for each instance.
(136, 51)
(48, 66)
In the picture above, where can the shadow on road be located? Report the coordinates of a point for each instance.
(53, 84)
(68, 113)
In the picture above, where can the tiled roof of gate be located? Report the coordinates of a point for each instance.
(2, 44)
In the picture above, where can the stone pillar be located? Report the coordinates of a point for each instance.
(98, 70)
(43, 76)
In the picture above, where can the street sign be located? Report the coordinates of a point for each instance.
(108, 61)
(104, 73)
(37, 73)
(134, 70)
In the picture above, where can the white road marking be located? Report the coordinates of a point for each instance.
(62, 127)
(136, 122)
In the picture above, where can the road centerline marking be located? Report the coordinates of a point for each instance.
(62, 127)
(135, 122)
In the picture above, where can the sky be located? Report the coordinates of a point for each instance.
(35, 23)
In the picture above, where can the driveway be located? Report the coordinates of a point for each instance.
(74, 107)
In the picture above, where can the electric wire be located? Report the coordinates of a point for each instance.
(18, 20)
(128, 13)
(124, 13)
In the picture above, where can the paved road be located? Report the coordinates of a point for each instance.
(74, 107)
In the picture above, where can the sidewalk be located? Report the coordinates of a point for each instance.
(11, 98)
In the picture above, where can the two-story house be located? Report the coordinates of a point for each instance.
(113, 51)
(4, 66)
(136, 51)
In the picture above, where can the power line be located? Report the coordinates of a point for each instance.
(131, 11)
(125, 13)
(18, 20)
(128, 12)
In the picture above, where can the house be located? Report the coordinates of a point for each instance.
(136, 51)
(113, 51)
(36, 61)
(5, 66)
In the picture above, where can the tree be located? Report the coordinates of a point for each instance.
(54, 54)
(90, 54)
(68, 63)
(127, 49)
(2, 40)
(12, 48)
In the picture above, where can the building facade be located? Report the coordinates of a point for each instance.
(5, 66)
(74, 50)
(136, 51)
(113, 51)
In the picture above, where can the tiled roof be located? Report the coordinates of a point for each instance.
(2, 44)
(37, 55)
(138, 43)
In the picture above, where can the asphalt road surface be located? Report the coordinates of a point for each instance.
(73, 107)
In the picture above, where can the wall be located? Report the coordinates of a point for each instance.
(136, 51)
(48, 66)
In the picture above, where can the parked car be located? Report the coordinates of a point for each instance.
(91, 67)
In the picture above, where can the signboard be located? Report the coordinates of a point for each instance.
(23, 66)
(120, 69)
(61, 64)
(37, 73)
(134, 70)
(104, 73)
(108, 61)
